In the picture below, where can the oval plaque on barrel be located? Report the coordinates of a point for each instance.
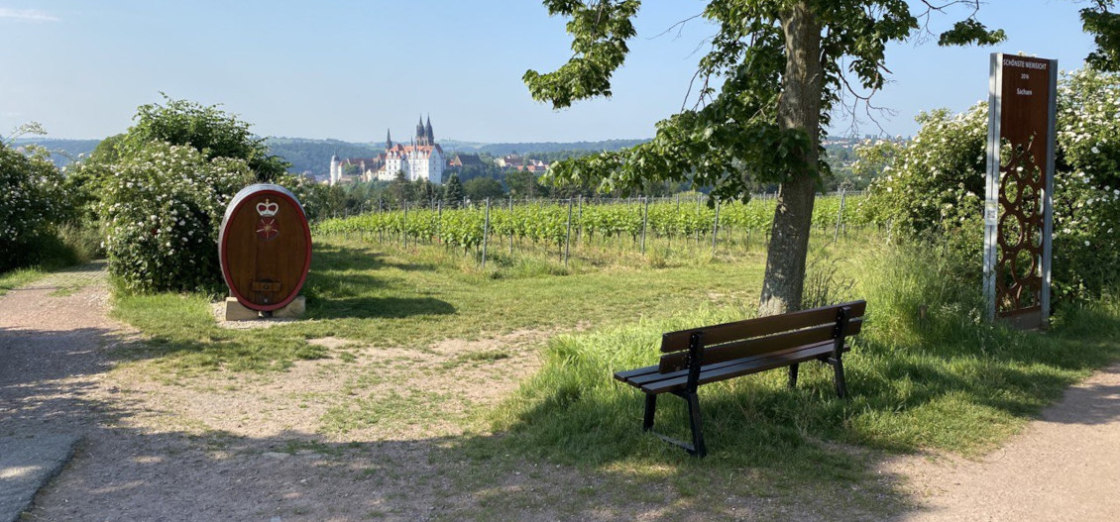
(265, 247)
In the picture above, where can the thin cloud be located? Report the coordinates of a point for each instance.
(27, 15)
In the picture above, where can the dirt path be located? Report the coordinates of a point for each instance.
(1064, 466)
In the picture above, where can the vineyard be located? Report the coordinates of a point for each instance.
(561, 223)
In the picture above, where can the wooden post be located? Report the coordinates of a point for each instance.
(568, 236)
(579, 229)
(715, 228)
(839, 216)
(698, 217)
(439, 221)
(404, 227)
(645, 222)
(511, 223)
(485, 232)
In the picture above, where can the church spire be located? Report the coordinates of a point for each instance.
(388, 139)
(428, 132)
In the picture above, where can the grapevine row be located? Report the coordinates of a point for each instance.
(547, 222)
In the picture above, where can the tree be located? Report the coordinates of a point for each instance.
(481, 188)
(453, 192)
(524, 184)
(783, 64)
(400, 190)
(210, 130)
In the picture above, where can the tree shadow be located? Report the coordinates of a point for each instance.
(345, 258)
(377, 307)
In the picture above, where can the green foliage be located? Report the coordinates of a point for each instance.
(525, 184)
(1105, 28)
(547, 223)
(599, 32)
(162, 209)
(479, 189)
(937, 177)
(210, 130)
(936, 181)
(33, 203)
(453, 192)
(971, 31)
(732, 139)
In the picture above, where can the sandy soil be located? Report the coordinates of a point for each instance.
(1064, 466)
(222, 447)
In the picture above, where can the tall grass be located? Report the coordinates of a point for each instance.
(925, 373)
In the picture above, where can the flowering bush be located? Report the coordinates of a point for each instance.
(32, 204)
(936, 181)
(162, 208)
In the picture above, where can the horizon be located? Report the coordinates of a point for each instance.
(341, 72)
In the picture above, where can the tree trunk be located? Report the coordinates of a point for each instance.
(799, 108)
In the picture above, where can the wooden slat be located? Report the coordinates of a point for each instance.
(640, 380)
(762, 326)
(742, 367)
(774, 343)
(627, 375)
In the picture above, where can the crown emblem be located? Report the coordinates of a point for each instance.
(267, 208)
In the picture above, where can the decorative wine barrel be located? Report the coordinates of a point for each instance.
(265, 247)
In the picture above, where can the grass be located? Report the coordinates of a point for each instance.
(415, 297)
(19, 277)
(938, 380)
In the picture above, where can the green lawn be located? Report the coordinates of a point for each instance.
(941, 381)
(19, 277)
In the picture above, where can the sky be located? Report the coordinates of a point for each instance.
(350, 70)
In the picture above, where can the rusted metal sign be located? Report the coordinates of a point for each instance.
(1018, 210)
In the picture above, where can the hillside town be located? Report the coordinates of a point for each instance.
(422, 159)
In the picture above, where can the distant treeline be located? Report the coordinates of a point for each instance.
(501, 149)
(63, 152)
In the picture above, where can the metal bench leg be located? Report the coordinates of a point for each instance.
(651, 407)
(841, 386)
(698, 448)
(793, 375)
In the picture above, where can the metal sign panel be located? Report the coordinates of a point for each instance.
(1018, 209)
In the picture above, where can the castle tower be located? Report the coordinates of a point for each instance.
(420, 133)
(388, 139)
(336, 170)
(428, 132)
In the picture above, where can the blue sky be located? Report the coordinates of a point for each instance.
(350, 69)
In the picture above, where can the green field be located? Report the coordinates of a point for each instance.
(942, 381)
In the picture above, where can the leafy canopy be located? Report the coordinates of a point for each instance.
(732, 135)
(209, 129)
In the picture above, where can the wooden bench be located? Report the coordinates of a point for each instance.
(715, 353)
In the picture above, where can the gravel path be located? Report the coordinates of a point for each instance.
(1064, 466)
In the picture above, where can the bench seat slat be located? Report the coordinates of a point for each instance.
(744, 366)
(629, 374)
(762, 326)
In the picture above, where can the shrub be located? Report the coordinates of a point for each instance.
(162, 209)
(936, 181)
(32, 203)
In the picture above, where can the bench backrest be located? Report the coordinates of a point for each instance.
(724, 342)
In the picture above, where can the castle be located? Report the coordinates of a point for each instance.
(421, 159)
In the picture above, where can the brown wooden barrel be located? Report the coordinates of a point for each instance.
(265, 247)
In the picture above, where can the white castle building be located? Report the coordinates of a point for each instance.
(421, 159)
